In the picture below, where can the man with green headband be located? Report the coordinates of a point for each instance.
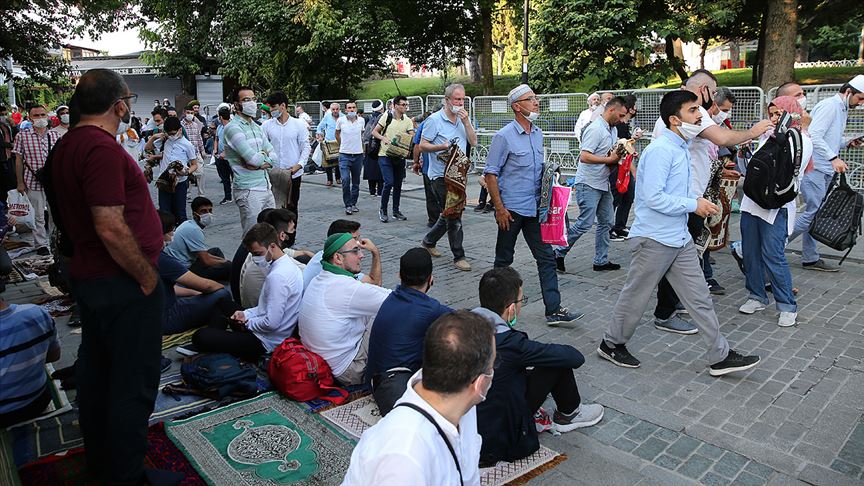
(338, 310)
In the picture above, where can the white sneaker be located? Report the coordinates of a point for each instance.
(752, 306)
(585, 416)
(787, 319)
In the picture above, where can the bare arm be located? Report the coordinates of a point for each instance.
(589, 158)
(727, 138)
(193, 166)
(469, 129)
(53, 355)
(201, 284)
(111, 227)
(209, 260)
(19, 173)
(374, 276)
(338, 136)
(502, 215)
(427, 146)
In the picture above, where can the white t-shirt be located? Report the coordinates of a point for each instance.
(176, 150)
(405, 449)
(335, 312)
(350, 135)
(700, 154)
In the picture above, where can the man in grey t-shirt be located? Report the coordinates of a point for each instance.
(593, 193)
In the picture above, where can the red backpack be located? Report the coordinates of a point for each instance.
(301, 374)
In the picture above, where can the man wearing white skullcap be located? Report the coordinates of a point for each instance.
(585, 116)
(826, 130)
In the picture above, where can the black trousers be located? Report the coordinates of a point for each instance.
(330, 171)
(216, 338)
(117, 373)
(223, 168)
(28, 411)
(375, 187)
(219, 273)
(433, 207)
(621, 202)
(560, 382)
(389, 387)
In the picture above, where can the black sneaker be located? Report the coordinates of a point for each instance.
(348, 210)
(614, 235)
(43, 251)
(607, 266)
(489, 208)
(224, 201)
(187, 350)
(734, 362)
(715, 288)
(618, 355)
(480, 207)
(398, 215)
(559, 265)
(165, 364)
(382, 215)
(564, 317)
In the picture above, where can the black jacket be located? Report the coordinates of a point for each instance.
(503, 419)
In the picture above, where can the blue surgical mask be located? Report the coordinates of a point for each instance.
(351, 114)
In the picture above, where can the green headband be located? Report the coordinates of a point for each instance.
(334, 242)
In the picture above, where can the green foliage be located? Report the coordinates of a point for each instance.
(506, 37)
(742, 77)
(384, 89)
(839, 41)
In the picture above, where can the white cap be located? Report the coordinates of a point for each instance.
(223, 105)
(518, 91)
(858, 82)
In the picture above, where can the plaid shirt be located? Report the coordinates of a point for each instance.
(193, 133)
(34, 149)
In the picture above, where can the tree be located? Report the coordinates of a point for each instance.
(781, 23)
(505, 38)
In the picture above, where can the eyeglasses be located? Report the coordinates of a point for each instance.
(133, 98)
(523, 300)
(357, 250)
(402, 104)
(244, 100)
(530, 98)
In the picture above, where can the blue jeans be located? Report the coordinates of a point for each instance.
(191, 312)
(763, 246)
(393, 171)
(813, 187)
(505, 248)
(175, 202)
(349, 167)
(593, 203)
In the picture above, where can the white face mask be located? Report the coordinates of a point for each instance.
(190, 117)
(249, 108)
(64, 119)
(689, 131)
(205, 219)
(455, 109)
(40, 123)
(483, 395)
(720, 117)
(276, 114)
(531, 116)
(122, 127)
(261, 261)
(802, 101)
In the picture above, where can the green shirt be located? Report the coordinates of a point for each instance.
(247, 149)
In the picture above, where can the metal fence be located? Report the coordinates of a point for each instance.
(366, 105)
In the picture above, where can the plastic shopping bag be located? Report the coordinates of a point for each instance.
(554, 230)
(20, 207)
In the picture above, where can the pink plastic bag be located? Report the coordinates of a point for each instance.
(554, 230)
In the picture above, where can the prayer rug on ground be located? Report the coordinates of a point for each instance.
(69, 467)
(354, 392)
(59, 403)
(266, 440)
(172, 405)
(8, 469)
(357, 416)
(179, 339)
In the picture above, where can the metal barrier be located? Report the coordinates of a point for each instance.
(314, 109)
(749, 106)
(491, 113)
(559, 112)
(366, 105)
(415, 106)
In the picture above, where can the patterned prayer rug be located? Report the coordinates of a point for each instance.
(179, 339)
(266, 440)
(357, 416)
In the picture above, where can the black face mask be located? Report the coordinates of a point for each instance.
(709, 102)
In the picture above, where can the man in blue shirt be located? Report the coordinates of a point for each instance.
(826, 131)
(396, 339)
(514, 168)
(433, 210)
(593, 193)
(662, 245)
(327, 131)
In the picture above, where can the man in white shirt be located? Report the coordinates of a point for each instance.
(337, 311)
(301, 114)
(349, 134)
(430, 437)
(585, 116)
(313, 268)
(175, 148)
(260, 329)
(290, 140)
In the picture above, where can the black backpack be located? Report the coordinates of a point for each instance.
(837, 223)
(772, 172)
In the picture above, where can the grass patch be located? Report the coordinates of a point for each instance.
(816, 75)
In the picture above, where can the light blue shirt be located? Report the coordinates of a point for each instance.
(424, 156)
(438, 130)
(597, 138)
(663, 199)
(327, 126)
(516, 157)
(826, 130)
(188, 240)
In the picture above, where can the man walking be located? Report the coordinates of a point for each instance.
(514, 170)
(223, 168)
(349, 134)
(449, 123)
(192, 130)
(389, 126)
(290, 139)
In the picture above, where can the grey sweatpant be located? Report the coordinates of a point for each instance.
(651, 261)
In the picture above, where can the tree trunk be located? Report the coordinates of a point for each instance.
(474, 66)
(781, 27)
(702, 53)
(675, 61)
(861, 49)
(756, 78)
(486, 51)
(802, 54)
(735, 53)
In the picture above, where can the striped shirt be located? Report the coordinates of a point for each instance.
(27, 333)
(246, 149)
(192, 130)
(34, 149)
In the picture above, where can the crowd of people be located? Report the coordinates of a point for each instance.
(457, 389)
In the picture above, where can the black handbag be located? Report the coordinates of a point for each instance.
(837, 223)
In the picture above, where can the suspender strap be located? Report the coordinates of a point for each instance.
(440, 432)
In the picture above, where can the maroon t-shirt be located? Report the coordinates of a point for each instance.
(91, 169)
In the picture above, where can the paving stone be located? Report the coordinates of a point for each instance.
(667, 462)
(845, 468)
(624, 444)
(711, 479)
(650, 448)
(609, 432)
(641, 431)
(710, 451)
(695, 467)
(683, 447)
(747, 479)
(730, 464)
(666, 434)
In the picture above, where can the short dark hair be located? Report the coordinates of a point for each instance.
(415, 267)
(276, 98)
(172, 123)
(397, 99)
(3, 108)
(262, 216)
(458, 348)
(673, 101)
(225, 113)
(629, 101)
(169, 222)
(97, 91)
(235, 93)
(343, 226)
(280, 218)
(160, 111)
(705, 72)
(200, 201)
(33, 106)
(617, 101)
(499, 288)
(848, 86)
(261, 233)
(781, 90)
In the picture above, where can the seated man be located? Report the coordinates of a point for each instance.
(408, 446)
(506, 419)
(188, 245)
(396, 338)
(28, 340)
(338, 310)
(260, 329)
(252, 276)
(240, 258)
(189, 299)
(313, 268)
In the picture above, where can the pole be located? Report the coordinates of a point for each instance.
(525, 43)
(10, 82)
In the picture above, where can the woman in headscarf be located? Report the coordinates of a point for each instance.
(764, 233)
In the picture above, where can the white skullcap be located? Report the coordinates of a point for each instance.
(595, 94)
(858, 82)
(518, 91)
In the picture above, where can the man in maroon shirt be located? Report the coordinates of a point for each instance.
(115, 234)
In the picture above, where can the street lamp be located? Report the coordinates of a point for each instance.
(525, 43)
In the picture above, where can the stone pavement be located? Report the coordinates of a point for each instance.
(796, 418)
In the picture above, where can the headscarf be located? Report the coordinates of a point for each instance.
(790, 104)
(331, 246)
